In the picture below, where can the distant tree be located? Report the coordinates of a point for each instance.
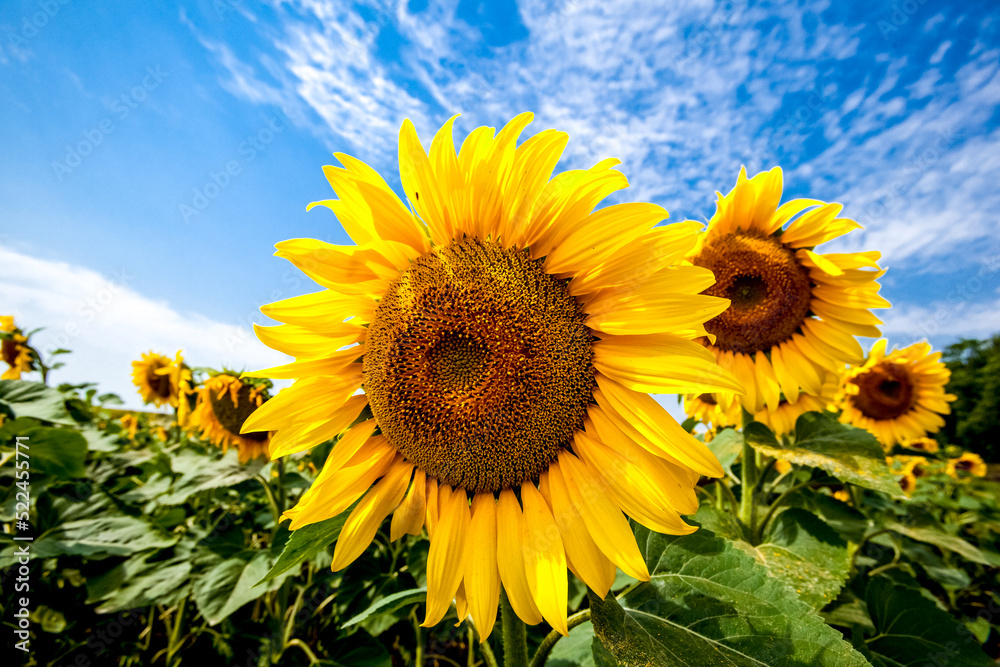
(974, 422)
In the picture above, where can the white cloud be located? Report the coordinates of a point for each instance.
(107, 324)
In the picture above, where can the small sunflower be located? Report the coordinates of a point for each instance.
(781, 466)
(924, 444)
(794, 313)
(843, 495)
(14, 350)
(161, 380)
(897, 396)
(782, 420)
(967, 463)
(717, 411)
(506, 337)
(908, 483)
(223, 406)
(130, 423)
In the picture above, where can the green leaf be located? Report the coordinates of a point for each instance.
(804, 552)
(390, 604)
(727, 446)
(100, 441)
(710, 603)
(201, 473)
(939, 538)
(910, 630)
(230, 585)
(34, 399)
(849, 454)
(103, 536)
(581, 649)
(154, 584)
(306, 542)
(723, 524)
(58, 452)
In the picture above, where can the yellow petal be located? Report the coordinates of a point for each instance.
(364, 521)
(431, 513)
(306, 343)
(582, 553)
(310, 399)
(319, 310)
(447, 557)
(544, 559)
(301, 437)
(482, 578)
(510, 558)
(408, 519)
(604, 520)
(652, 312)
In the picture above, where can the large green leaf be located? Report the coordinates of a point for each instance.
(136, 583)
(34, 399)
(102, 536)
(306, 542)
(201, 473)
(59, 452)
(708, 603)
(849, 454)
(581, 649)
(911, 630)
(230, 585)
(804, 552)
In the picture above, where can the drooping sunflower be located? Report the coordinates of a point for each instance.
(896, 396)
(922, 444)
(161, 380)
(968, 463)
(782, 419)
(716, 411)
(224, 403)
(505, 336)
(14, 350)
(794, 313)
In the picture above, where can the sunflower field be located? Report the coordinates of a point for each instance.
(469, 466)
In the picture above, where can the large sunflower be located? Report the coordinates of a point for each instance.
(505, 337)
(794, 313)
(161, 380)
(224, 403)
(896, 396)
(14, 350)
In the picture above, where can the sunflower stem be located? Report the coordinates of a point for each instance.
(748, 479)
(515, 642)
(542, 654)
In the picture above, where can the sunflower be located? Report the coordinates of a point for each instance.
(794, 313)
(505, 336)
(969, 463)
(130, 423)
(782, 419)
(14, 350)
(717, 411)
(908, 483)
(843, 495)
(896, 396)
(161, 381)
(923, 444)
(224, 403)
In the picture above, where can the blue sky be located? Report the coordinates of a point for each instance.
(154, 152)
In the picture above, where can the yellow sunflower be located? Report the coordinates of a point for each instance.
(716, 411)
(969, 463)
(130, 423)
(161, 380)
(924, 444)
(896, 396)
(224, 403)
(794, 313)
(908, 483)
(505, 336)
(14, 350)
(782, 419)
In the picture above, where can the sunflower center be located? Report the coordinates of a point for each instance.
(708, 399)
(478, 365)
(9, 351)
(232, 415)
(884, 392)
(769, 289)
(158, 383)
(963, 464)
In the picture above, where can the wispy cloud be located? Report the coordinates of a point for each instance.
(107, 324)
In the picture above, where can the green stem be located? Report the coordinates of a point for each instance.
(515, 643)
(550, 640)
(419, 639)
(488, 657)
(172, 646)
(774, 508)
(748, 479)
(275, 510)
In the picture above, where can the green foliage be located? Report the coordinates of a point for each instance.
(974, 422)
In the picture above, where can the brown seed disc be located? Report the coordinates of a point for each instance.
(769, 289)
(231, 416)
(886, 391)
(478, 366)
